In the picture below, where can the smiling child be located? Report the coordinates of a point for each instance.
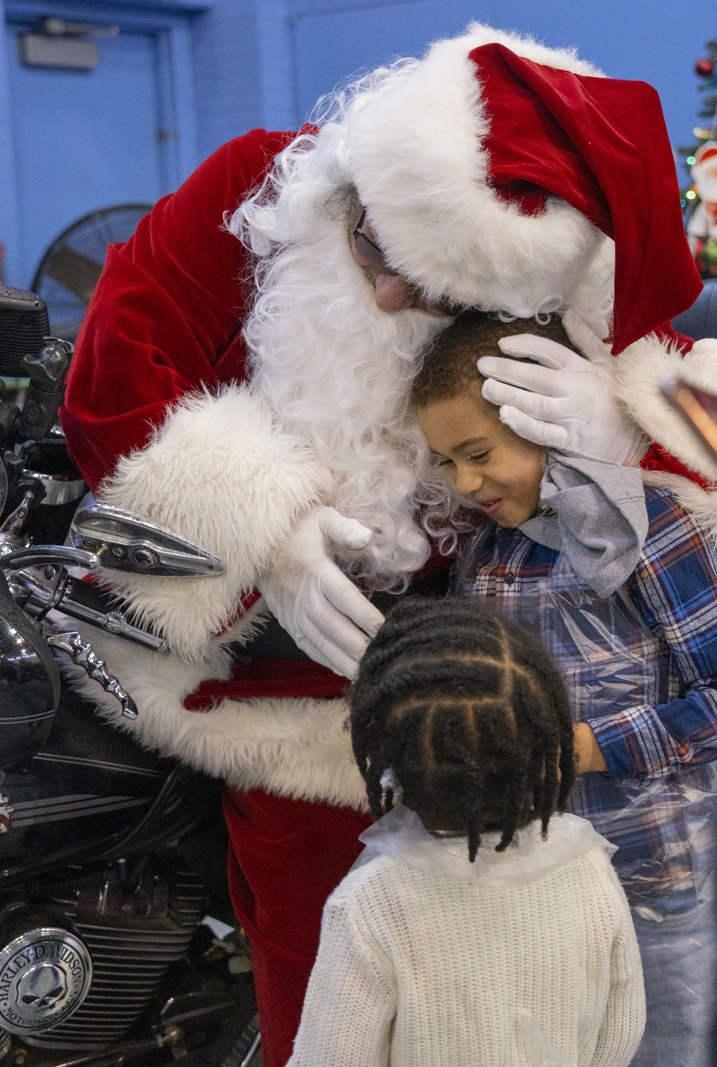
(635, 637)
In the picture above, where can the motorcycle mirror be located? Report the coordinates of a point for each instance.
(128, 542)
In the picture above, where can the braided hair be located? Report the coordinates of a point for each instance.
(469, 713)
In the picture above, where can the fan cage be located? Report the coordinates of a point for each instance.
(71, 266)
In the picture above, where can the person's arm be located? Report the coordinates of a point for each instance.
(674, 588)
(144, 416)
(624, 1020)
(166, 314)
(350, 1001)
(604, 407)
(159, 421)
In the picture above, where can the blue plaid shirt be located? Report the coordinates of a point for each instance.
(641, 668)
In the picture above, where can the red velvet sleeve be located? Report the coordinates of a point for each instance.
(167, 313)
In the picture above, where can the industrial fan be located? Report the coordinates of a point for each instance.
(71, 266)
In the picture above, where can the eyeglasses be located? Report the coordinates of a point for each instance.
(371, 257)
(368, 250)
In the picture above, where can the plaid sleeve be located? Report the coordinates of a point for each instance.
(675, 588)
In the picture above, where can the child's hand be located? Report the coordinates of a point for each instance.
(562, 400)
(588, 756)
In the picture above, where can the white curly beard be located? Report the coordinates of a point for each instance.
(337, 371)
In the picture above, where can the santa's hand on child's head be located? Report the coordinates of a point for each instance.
(562, 399)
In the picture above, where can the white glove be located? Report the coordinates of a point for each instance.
(563, 401)
(322, 610)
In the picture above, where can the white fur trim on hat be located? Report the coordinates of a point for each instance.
(221, 473)
(290, 747)
(640, 371)
(416, 159)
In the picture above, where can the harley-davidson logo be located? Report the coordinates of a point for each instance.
(44, 977)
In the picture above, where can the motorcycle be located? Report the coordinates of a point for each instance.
(117, 941)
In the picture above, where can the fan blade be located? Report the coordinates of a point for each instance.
(76, 272)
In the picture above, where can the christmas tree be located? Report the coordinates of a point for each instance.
(699, 198)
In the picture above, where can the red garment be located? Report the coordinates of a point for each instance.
(583, 139)
(169, 309)
(287, 856)
(269, 678)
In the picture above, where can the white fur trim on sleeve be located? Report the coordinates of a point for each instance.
(221, 473)
(642, 368)
(290, 747)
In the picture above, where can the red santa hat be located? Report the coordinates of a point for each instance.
(491, 169)
(705, 153)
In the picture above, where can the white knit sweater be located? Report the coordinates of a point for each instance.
(527, 958)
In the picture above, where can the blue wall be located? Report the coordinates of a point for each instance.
(77, 140)
(229, 65)
(244, 69)
(264, 62)
(657, 42)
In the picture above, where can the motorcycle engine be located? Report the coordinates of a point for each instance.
(77, 971)
(45, 968)
(99, 838)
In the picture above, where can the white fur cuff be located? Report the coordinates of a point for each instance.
(291, 747)
(222, 474)
(642, 368)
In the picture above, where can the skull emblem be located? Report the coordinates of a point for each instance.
(42, 988)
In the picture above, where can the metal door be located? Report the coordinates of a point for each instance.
(84, 139)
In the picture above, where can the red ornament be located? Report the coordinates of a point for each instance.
(705, 68)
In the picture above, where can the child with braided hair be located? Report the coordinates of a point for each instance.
(475, 929)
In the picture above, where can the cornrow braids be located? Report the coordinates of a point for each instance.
(471, 715)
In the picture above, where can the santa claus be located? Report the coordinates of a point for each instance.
(702, 223)
(252, 395)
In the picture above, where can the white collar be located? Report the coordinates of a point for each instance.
(401, 835)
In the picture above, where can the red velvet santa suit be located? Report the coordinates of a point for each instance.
(186, 267)
(222, 470)
(184, 333)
